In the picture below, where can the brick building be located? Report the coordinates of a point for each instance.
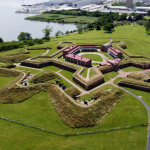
(105, 47)
(113, 63)
(86, 62)
(114, 53)
(75, 49)
(88, 48)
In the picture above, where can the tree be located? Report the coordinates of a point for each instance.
(47, 31)
(108, 27)
(139, 17)
(58, 33)
(24, 36)
(129, 18)
(122, 17)
(67, 32)
(148, 13)
(80, 29)
(1, 40)
(90, 26)
(98, 27)
(28, 36)
(30, 42)
(147, 26)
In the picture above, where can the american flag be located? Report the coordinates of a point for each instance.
(110, 39)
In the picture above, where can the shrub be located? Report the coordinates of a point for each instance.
(30, 43)
(9, 65)
(72, 91)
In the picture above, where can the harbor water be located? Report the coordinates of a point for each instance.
(11, 23)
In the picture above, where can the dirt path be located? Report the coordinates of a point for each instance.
(88, 74)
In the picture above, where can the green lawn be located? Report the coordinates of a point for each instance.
(92, 73)
(131, 68)
(140, 59)
(32, 70)
(84, 73)
(110, 75)
(137, 42)
(39, 111)
(117, 80)
(69, 75)
(94, 57)
(52, 68)
(145, 95)
(5, 80)
(34, 53)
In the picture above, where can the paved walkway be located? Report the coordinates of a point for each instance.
(46, 52)
(99, 54)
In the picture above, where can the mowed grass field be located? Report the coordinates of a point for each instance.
(39, 111)
(94, 57)
(137, 42)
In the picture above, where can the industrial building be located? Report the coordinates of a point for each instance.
(129, 3)
(73, 3)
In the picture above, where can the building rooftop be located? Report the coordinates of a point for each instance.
(78, 57)
(114, 62)
(70, 48)
(113, 50)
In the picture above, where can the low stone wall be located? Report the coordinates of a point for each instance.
(63, 67)
(89, 86)
(39, 48)
(134, 86)
(143, 66)
(124, 65)
(45, 64)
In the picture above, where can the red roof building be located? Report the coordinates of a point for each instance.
(78, 60)
(113, 63)
(114, 53)
(75, 49)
